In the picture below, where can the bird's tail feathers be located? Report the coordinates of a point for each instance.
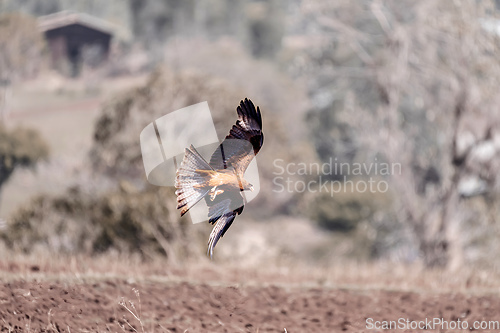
(191, 180)
(220, 228)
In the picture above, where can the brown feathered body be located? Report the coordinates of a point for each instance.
(224, 180)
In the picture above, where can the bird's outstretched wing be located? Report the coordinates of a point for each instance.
(221, 213)
(243, 141)
(236, 151)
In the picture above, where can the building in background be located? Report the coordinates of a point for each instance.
(76, 39)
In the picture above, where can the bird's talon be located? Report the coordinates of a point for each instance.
(215, 192)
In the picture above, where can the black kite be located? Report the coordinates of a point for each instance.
(221, 181)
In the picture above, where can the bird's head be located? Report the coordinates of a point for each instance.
(246, 186)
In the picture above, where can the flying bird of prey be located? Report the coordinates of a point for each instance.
(221, 181)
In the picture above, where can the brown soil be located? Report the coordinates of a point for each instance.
(179, 306)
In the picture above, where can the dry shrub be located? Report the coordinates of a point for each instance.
(116, 148)
(125, 221)
(19, 148)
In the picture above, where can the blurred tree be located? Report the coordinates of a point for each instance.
(258, 24)
(115, 149)
(265, 27)
(21, 48)
(45, 7)
(418, 84)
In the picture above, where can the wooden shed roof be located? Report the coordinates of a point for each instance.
(68, 17)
